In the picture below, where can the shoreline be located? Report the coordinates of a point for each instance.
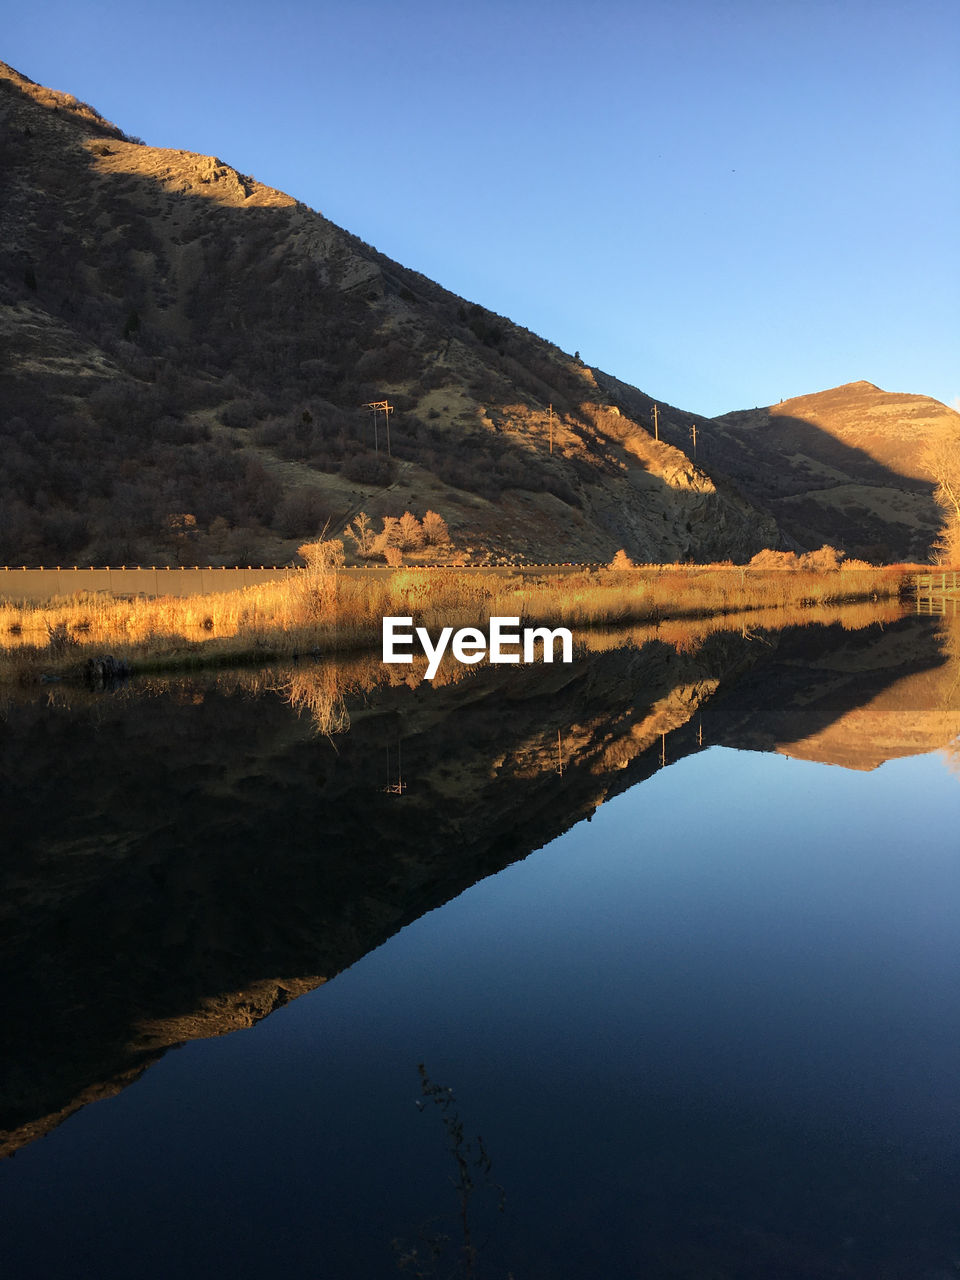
(319, 613)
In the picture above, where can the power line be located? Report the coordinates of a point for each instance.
(377, 407)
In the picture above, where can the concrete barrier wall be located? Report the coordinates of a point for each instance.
(35, 585)
(44, 584)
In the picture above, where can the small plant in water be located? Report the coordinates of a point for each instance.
(59, 639)
(471, 1179)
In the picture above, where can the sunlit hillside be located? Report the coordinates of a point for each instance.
(191, 352)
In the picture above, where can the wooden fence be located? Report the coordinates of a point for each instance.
(938, 593)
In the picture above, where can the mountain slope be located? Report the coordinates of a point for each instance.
(187, 343)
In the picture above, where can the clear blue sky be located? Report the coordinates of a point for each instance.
(721, 201)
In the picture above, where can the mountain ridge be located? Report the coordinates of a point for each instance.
(189, 348)
(860, 473)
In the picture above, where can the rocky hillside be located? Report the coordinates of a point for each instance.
(850, 466)
(190, 354)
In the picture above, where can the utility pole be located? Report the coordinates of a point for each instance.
(551, 428)
(693, 436)
(559, 754)
(375, 406)
(656, 423)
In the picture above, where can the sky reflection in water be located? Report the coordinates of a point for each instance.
(717, 1022)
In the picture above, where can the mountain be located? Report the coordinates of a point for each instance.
(849, 466)
(190, 354)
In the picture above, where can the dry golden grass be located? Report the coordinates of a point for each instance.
(318, 692)
(331, 613)
(322, 690)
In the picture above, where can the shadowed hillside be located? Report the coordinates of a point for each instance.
(190, 351)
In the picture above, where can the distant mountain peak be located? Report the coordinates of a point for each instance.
(848, 466)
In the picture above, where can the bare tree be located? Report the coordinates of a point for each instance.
(360, 531)
(411, 532)
(943, 459)
(389, 536)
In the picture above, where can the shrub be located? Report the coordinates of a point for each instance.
(238, 413)
(435, 530)
(299, 511)
(59, 639)
(319, 586)
(368, 468)
(768, 559)
(826, 560)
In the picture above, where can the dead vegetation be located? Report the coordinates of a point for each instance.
(321, 610)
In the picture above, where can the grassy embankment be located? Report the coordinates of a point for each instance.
(325, 612)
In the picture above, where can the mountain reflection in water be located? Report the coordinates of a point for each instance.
(181, 858)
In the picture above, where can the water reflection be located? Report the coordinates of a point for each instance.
(184, 858)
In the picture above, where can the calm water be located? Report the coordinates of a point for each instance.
(711, 1032)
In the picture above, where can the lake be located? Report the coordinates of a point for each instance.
(672, 932)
